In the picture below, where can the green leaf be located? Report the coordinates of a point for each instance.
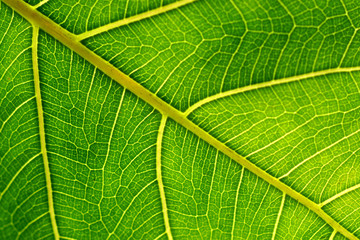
(179, 119)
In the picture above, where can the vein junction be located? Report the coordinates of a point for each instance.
(72, 41)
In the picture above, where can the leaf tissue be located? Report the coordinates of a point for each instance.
(188, 119)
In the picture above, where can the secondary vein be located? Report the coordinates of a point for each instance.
(159, 176)
(268, 84)
(236, 203)
(42, 131)
(340, 194)
(132, 19)
(70, 40)
(279, 215)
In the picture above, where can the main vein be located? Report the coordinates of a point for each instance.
(70, 40)
(42, 131)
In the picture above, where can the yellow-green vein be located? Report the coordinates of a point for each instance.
(70, 40)
(339, 195)
(278, 216)
(108, 145)
(40, 4)
(128, 207)
(159, 176)
(13, 112)
(236, 203)
(29, 224)
(268, 84)
(42, 131)
(319, 152)
(17, 174)
(132, 19)
(332, 235)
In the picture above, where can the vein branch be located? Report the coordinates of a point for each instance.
(70, 40)
(332, 235)
(159, 176)
(268, 84)
(40, 4)
(42, 131)
(319, 152)
(132, 19)
(279, 215)
(17, 174)
(339, 195)
(236, 204)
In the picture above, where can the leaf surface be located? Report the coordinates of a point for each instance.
(179, 120)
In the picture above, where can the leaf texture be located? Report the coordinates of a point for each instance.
(179, 119)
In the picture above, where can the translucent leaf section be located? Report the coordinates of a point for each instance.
(305, 133)
(294, 130)
(346, 209)
(272, 84)
(211, 197)
(176, 60)
(213, 46)
(81, 16)
(298, 222)
(101, 145)
(23, 198)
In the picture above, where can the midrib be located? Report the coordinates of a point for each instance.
(70, 40)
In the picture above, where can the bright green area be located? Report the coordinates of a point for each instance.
(211, 197)
(101, 139)
(305, 132)
(348, 204)
(101, 144)
(80, 16)
(313, 123)
(23, 199)
(298, 222)
(213, 46)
